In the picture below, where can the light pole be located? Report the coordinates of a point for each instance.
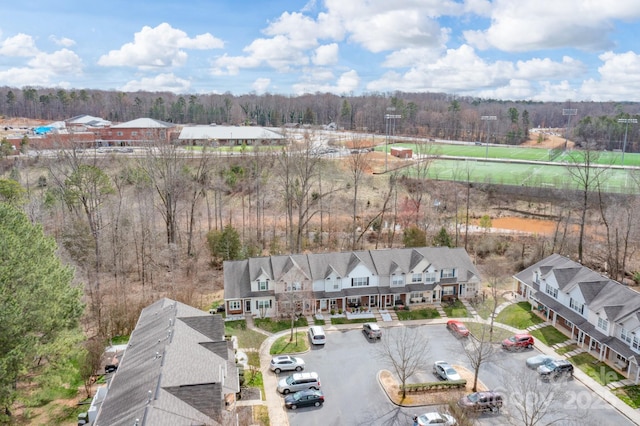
(389, 130)
(568, 112)
(488, 119)
(626, 127)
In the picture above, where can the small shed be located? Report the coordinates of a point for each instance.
(402, 152)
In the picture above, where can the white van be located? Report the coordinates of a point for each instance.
(316, 335)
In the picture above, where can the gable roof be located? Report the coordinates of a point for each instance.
(238, 274)
(144, 123)
(174, 370)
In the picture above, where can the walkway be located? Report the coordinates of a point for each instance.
(278, 414)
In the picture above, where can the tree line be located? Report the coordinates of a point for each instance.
(435, 115)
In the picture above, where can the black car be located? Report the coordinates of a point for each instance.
(556, 369)
(304, 398)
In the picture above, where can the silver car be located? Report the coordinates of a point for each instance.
(443, 370)
(286, 363)
(536, 361)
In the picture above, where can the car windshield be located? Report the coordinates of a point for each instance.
(462, 327)
(512, 338)
(297, 396)
(450, 371)
(473, 397)
(289, 380)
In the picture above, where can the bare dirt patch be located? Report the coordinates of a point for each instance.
(415, 399)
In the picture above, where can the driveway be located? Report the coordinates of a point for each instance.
(348, 365)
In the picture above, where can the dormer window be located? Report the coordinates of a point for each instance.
(263, 285)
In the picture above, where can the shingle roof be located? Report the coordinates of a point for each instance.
(174, 358)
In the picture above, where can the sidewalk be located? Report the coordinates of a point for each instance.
(278, 414)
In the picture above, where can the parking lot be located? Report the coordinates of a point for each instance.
(349, 363)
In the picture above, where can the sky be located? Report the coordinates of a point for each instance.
(536, 50)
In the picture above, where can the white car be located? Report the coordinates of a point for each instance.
(435, 418)
(443, 370)
(286, 363)
(536, 361)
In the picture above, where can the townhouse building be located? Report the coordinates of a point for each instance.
(357, 280)
(600, 314)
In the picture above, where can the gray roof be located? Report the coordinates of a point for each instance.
(144, 123)
(88, 120)
(172, 371)
(239, 274)
(228, 133)
(616, 300)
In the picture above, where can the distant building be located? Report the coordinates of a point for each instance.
(177, 369)
(229, 136)
(402, 152)
(142, 131)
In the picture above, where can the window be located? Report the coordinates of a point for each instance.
(360, 282)
(603, 324)
(430, 277)
(397, 280)
(119, 133)
(263, 285)
(134, 133)
(416, 278)
(234, 305)
(263, 304)
(636, 343)
(625, 335)
(417, 295)
(578, 307)
(448, 273)
(293, 286)
(337, 283)
(536, 277)
(448, 290)
(353, 301)
(553, 292)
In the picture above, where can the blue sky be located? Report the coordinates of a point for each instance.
(540, 50)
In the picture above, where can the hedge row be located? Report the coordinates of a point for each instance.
(432, 386)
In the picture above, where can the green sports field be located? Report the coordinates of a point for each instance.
(513, 153)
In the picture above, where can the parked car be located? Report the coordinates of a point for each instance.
(299, 381)
(443, 370)
(458, 328)
(286, 363)
(481, 401)
(536, 361)
(518, 342)
(556, 369)
(304, 398)
(371, 330)
(316, 335)
(435, 418)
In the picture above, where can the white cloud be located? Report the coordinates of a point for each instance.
(64, 41)
(19, 45)
(261, 85)
(346, 83)
(545, 68)
(167, 82)
(326, 54)
(619, 78)
(20, 77)
(524, 25)
(63, 61)
(159, 47)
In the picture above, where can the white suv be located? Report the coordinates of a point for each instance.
(286, 363)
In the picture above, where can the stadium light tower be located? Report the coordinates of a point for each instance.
(488, 119)
(390, 126)
(626, 127)
(568, 112)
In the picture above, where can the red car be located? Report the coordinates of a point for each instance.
(458, 328)
(518, 341)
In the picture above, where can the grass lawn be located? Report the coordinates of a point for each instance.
(427, 313)
(499, 333)
(566, 349)
(598, 371)
(456, 310)
(519, 315)
(549, 335)
(344, 320)
(272, 326)
(629, 394)
(246, 338)
(284, 346)
(485, 307)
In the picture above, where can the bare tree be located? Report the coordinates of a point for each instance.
(358, 163)
(406, 351)
(478, 350)
(533, 402)
(587, 175)
(493, 270)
